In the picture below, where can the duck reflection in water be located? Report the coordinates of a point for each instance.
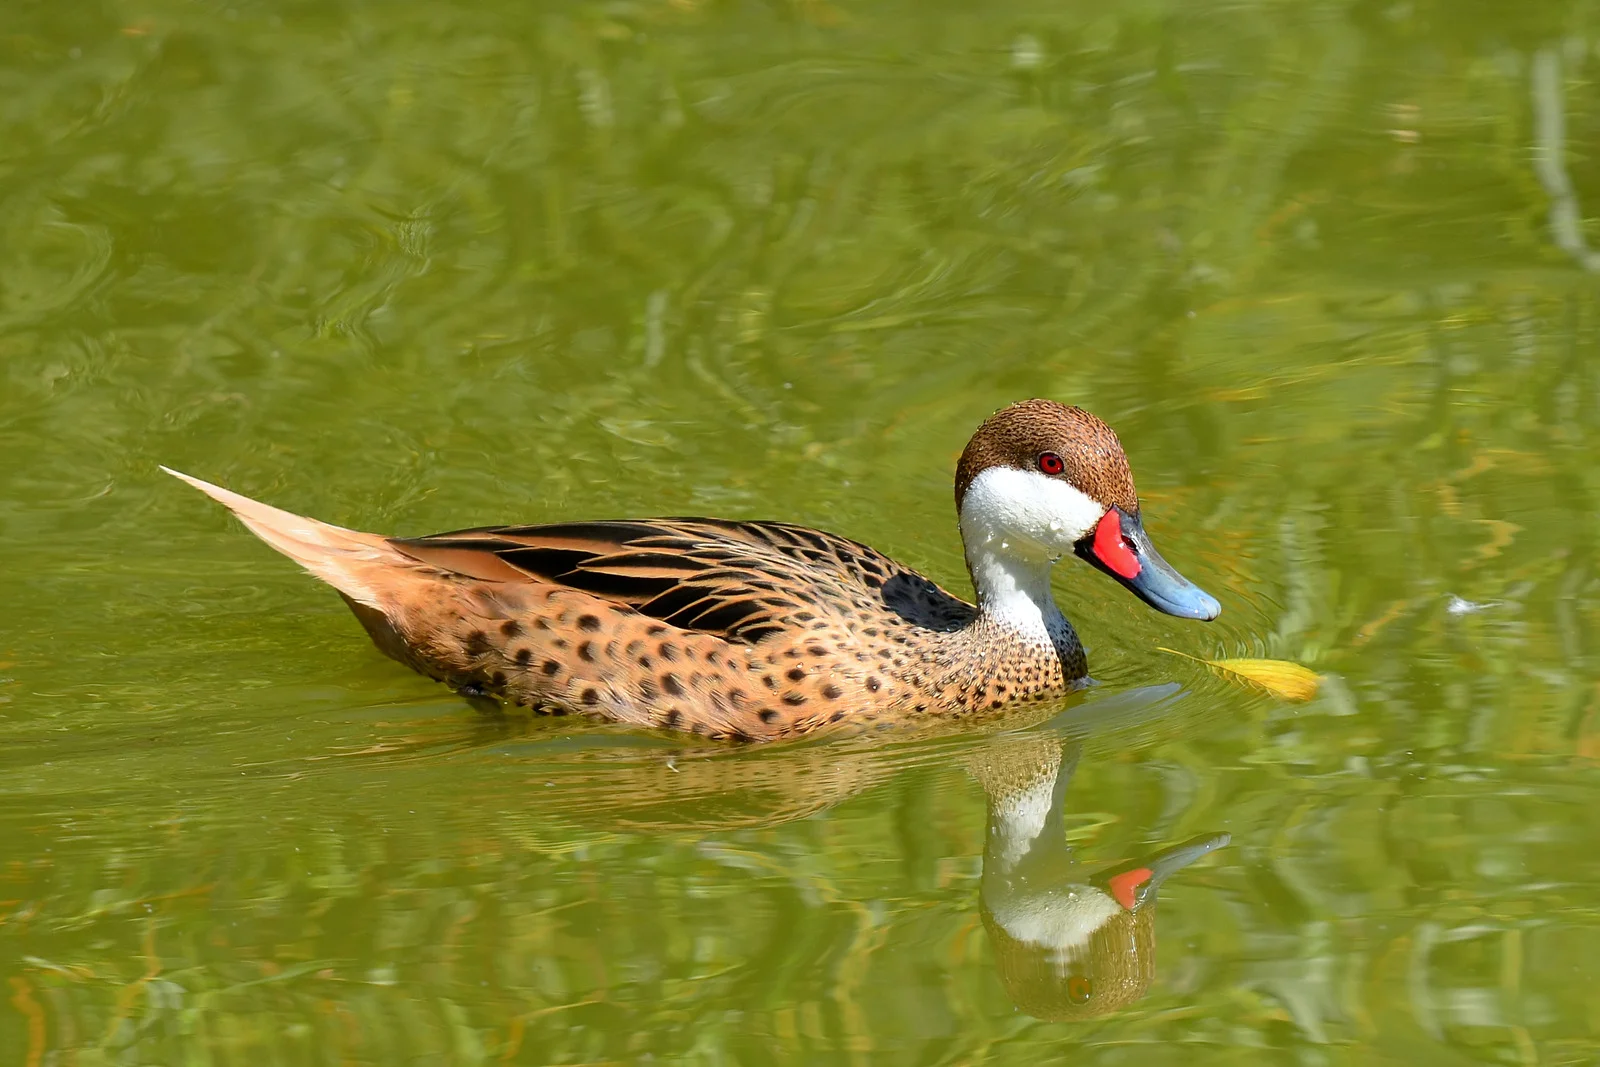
(1069, 943)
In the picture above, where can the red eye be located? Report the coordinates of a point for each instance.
(1051, 463)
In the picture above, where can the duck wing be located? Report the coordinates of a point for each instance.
(743, 581)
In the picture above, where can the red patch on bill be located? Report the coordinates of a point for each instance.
(1109, 548)
(1124, 884)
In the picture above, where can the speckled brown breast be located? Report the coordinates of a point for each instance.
(729, 629)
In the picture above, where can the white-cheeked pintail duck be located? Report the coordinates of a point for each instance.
(758, 630)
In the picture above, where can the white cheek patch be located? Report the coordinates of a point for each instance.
(1064, 920)
(1028, 505)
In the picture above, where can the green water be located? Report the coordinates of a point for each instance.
(411, 267)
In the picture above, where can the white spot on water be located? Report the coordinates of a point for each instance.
(1455, 605)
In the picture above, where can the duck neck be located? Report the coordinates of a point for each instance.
(1012, 582)
(1026, 780)
(1018, 820)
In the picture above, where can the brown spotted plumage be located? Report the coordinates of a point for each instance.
(740, 630)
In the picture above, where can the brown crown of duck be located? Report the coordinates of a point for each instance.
(1015, 437)
(756, 630)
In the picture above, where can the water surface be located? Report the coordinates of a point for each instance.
(411, 267)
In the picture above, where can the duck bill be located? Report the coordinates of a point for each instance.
(1120, 547)
(1134, 885)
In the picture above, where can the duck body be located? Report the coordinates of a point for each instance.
(742, 630)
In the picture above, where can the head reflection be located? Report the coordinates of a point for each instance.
(1070, 941)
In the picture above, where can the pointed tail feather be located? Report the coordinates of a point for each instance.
(346, 559)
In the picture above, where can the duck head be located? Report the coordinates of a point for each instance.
(1069, 943)
(1077, 951)
(1040, 480)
